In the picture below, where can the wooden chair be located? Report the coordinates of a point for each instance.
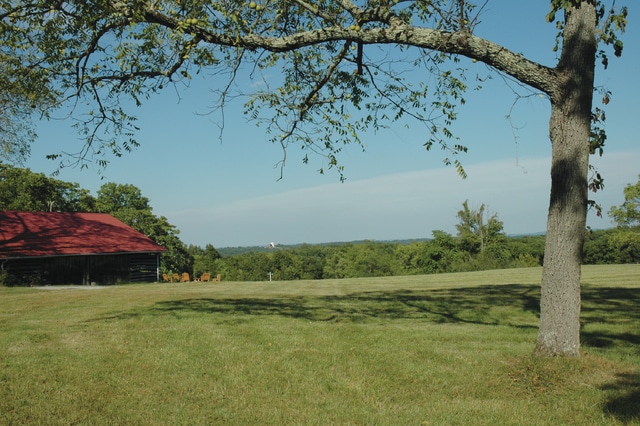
(166, 278)
(176, 277)
(217, 278)
(185, 277)
(205, 277)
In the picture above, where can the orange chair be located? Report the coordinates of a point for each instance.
(166, 278)
(205, 277)
(185, 277)
(176, 277)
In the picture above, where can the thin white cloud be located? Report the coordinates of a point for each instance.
(397, 206)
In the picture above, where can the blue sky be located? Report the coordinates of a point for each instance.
(227, 193)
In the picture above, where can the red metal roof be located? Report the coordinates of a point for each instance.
(27, 234)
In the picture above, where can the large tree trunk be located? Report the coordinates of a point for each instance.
(559, 332)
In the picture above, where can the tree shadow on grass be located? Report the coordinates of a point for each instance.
(509, 305)
(623, 401)
(488, 305)
(612, 309)
(616, 311)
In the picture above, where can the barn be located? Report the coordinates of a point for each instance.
(74, 248)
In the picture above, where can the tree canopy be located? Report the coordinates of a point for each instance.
(477, 229)
(340, 75)
(626, 241)
(22, 91)
(126, 203)
(628, 213)
(91, 55)
(22, 189)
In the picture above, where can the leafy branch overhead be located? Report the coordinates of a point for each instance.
(339, 62)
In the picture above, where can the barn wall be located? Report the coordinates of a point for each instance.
(99, 269)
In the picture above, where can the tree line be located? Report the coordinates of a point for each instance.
(442, 253)
(479, 244)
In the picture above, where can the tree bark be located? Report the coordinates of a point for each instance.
(570, 124)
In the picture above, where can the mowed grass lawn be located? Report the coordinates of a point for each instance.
(450, 349)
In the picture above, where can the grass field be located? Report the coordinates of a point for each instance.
(451, 349)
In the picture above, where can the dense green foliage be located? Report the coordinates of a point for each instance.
(126, 203)
(203, 259)
(443, 253)
(22, 189)
(371, 259)
(623, 244)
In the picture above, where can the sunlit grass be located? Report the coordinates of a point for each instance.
(438, 349)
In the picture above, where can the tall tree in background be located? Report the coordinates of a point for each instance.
(628, 213)
(341, 74)
(125, 202)
(626, 240)
(117, 198)
(477, 229)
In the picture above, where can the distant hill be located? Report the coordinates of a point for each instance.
(232, 251)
